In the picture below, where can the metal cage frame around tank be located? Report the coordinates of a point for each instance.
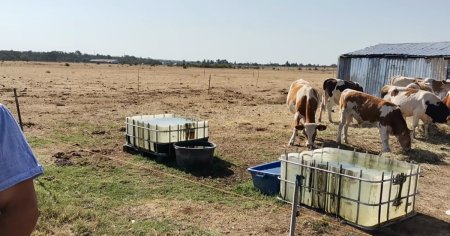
(340, 175)
(148, 129)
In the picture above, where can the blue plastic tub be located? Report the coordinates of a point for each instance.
(265, 177)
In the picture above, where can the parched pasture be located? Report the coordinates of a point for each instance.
(74, 120)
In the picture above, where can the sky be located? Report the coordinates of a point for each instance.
(262, 31)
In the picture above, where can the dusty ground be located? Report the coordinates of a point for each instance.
(249, 122)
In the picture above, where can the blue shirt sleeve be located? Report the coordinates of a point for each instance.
(17, 161)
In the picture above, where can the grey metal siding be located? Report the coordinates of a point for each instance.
(358, 70)
(374, 72)
(344, 68)
(448, 69)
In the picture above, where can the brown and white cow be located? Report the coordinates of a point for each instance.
(367, 108)
(303, 100)
(446, 101)
(419, 104)
(332, 92)
(438, 87)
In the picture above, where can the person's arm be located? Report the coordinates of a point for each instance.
(18, 168)
(18, 209)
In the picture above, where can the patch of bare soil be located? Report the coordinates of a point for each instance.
(65, 159)
(83, 157)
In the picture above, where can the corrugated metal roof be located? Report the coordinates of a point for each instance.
(405, 49)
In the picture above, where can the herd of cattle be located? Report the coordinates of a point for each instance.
(427, 100)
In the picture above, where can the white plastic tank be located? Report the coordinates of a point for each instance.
(147, 130)
(370, 191)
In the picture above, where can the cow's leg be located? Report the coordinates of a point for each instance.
(426, 126)
(339, 132)
(329, 109)
(347, 123)
(342, 121)
(297, 118)
(415, 124)
(384, 135)
(292, 140)
(323, 104)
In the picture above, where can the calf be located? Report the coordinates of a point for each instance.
(419, 104)
(332, 92)
(302, 100)
(367, 108)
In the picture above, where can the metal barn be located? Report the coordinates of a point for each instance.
(373, 66)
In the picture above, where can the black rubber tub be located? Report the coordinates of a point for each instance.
(195, 154)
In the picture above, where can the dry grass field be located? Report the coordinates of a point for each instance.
(74, 119)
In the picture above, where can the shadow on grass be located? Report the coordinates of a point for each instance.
(418, 225)
(436, 135)
(217, 169)
(425, 156)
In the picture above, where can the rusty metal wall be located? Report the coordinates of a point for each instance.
(374, 72)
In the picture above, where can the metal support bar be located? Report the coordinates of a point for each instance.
(285, 171)
(339, 191)
(415, 187)
(389, 196)
(297, 187)
(325, 188)
(381, 198)
(407, 193)
(359, 197)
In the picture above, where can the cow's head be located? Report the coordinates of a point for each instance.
(405, 139)
(358, 87)
(393, 117)
(310, 131)
(438, 111)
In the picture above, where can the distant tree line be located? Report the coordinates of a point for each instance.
(77, 56)
(222, 63)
